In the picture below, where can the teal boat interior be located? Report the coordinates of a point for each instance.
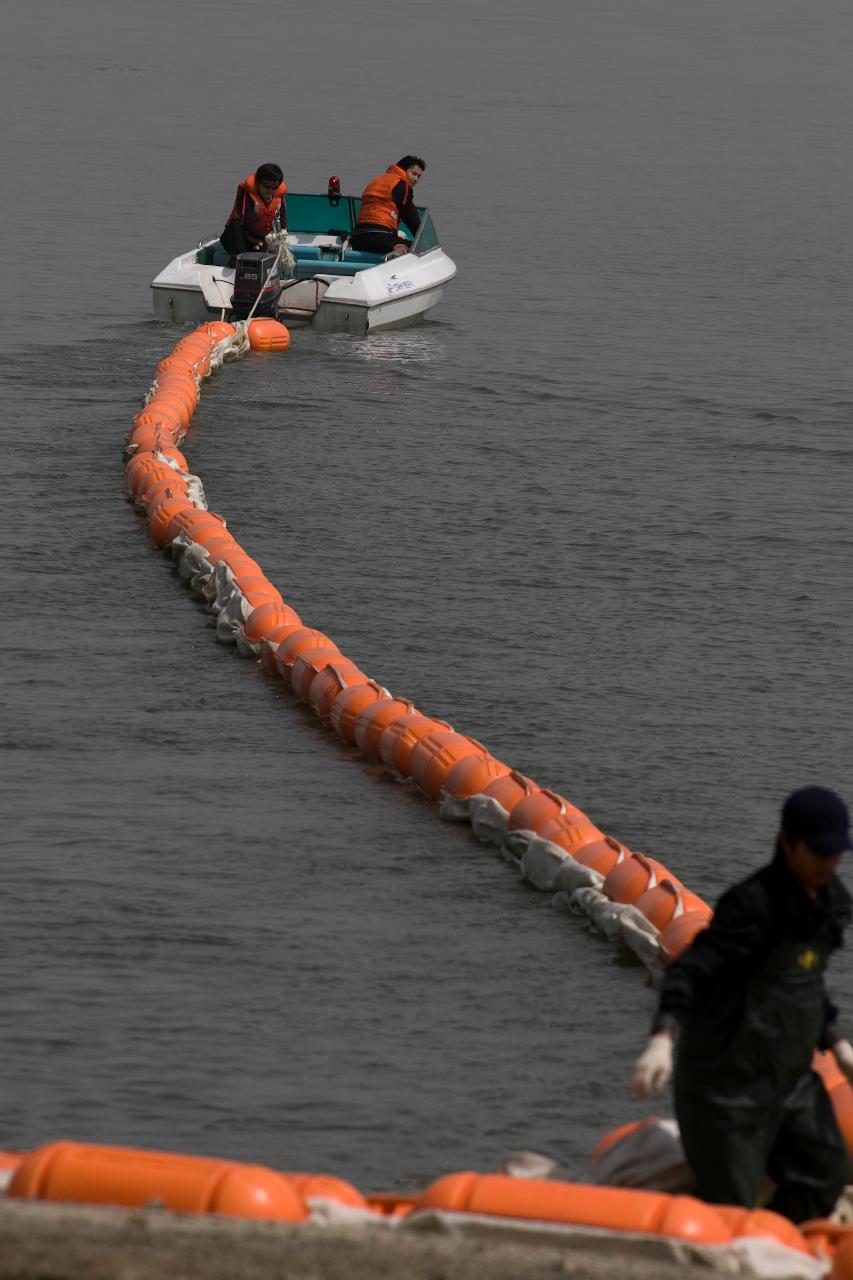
(320, 226)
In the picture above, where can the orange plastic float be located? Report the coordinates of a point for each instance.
(510, 789)
(179, 393)
(10, 1160)
(320, 1186)
(149, 436)
(161, 514)
(667, 900)
(349, 705)
(677, 936)
(148, 483)
(375, 719)
(216, 544)
(610, 1208)
(176, 372)
(196, 349)
(266, 619)
(535, 810)
(175, 363)
(602, 855)
(470, 774)
(79, 1173)
(398, 741)
(435, 755)
(172, 409)
(570, 829)
(257, 589)
(765, 1224)
(174, 487)
(660, 903)
(270, 646)
(268, 335)
(842, 1263)
(194, 521)
(239, 562)
(139, 467)
(632, 877)
(151, 416)
(329, 682)
(300, 641)
(391, 1204)
(308, 664)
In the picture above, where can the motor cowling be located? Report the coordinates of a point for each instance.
(256, 280)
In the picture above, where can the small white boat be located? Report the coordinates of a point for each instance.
(331, 285)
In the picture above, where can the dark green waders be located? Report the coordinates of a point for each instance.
(747, 1103)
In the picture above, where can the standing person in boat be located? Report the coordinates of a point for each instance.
(259, 209)
(749, 1003)
(385, 203)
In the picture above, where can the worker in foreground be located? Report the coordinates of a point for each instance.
(748, 1001)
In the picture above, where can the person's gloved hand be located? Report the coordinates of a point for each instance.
(842, 1051)
(653, 1068)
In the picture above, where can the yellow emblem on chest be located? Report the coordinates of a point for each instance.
(807, 959)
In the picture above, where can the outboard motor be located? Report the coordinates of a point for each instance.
(251, 284)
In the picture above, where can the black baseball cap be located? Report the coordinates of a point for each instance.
(820, 818)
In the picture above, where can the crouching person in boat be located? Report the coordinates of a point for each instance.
(385, 203)
(259, 210)
(747, 999)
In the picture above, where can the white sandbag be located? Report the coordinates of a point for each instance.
(220, 587)
(324, 1212)
(231, 616)
(541, 861)
(573, 875)
(169, 462)
(641, 937)
(177, 548)
(195, 490)
(190, 560)
(453, 810)
(515, 843)
(246, 648)
(488, 819)
(649, 1156)
(766, 1259)
(602, 914)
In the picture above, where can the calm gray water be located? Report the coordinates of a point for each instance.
(596, 514)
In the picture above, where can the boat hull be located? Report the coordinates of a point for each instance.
(392, 294)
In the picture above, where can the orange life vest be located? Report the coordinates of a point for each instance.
(261, 216)
(377, 207)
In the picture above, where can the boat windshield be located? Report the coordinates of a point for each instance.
(427, 237)
(320, 215)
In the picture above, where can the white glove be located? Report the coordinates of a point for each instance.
(842, 1051)
(653, 1068)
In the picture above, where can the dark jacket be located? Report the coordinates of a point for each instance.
(748, 995)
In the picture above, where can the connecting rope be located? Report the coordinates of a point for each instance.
(280, 238)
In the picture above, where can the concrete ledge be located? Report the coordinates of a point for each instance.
(69, 1242)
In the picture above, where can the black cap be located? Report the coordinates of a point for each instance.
(820, 818)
